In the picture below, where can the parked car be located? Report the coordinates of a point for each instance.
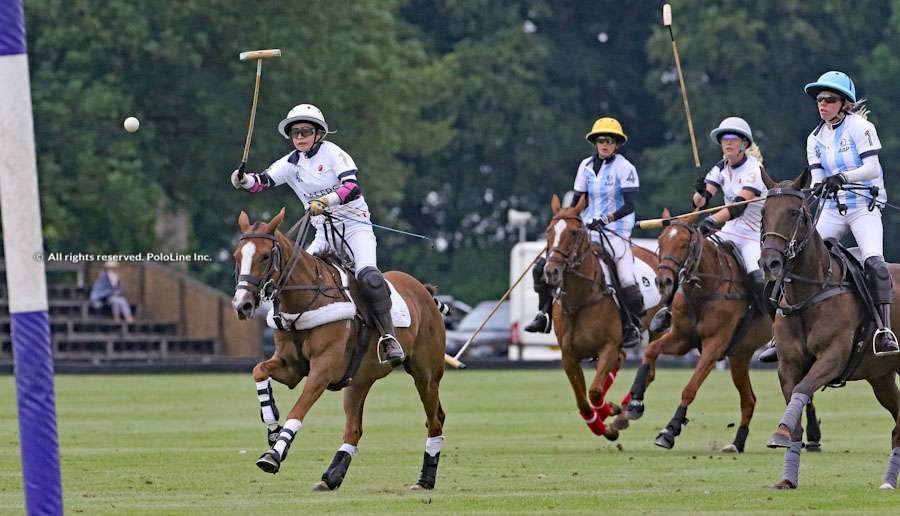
(458, 310)
(494, 338)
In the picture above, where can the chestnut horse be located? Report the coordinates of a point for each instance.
(821, 311)
(585, 315)
(708, 312)
(308, 292)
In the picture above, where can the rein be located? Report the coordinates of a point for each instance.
(572, 263)
(266, 288)
(794, 247)
(687, 273)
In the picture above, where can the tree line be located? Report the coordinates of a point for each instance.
(454, 111)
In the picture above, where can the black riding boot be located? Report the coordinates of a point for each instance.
(758, 292)
(632, 308)
(378, 295)
(542, 322)
(662, 319)
(878, 279)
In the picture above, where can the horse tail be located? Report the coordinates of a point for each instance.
(442, 307)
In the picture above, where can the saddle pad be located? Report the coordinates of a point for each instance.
(342, 310)
(646, 279)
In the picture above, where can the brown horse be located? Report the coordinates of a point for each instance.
(309, 292)
(817, 329)
(585, 314)
(708, 311)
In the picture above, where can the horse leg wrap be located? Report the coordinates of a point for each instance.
(428, 477)
(640, 382)
(595, 423)
(792, 463)
(272, 433)
(794, 410)
(334, 475)
(890, 476)
(740, 439)
(286, 437)
(677, 420)
(268, 412)
(605, 410)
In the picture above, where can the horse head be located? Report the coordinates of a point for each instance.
(567, 240)
(258, 263)
(679, 250)
(788, 223)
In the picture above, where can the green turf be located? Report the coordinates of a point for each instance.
(186, 444)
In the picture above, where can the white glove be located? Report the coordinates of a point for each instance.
(245, 182)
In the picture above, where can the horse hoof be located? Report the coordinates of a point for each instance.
(620, 423)
(616, 410)
(779, 441)
(783, 484)
(611, 434)
(418, 487)
(634, 410)
(320, 486)
(887, 487)
(731, 448)
(814, 447)
(268, 462)
(665, 440)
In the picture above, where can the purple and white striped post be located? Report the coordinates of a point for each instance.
(25, 276)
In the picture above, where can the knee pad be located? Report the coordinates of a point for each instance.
(537, 273)
(374, 288)
(879, 279)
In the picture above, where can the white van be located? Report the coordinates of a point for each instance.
(524, 304)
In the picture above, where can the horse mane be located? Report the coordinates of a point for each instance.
(330, 257)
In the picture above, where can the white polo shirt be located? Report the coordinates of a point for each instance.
(745, 175)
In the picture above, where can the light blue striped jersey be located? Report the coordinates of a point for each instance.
(604, 191)
(832, 150)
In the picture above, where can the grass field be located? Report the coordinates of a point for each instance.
(186, 444)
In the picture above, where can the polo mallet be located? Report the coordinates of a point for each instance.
(454, 360)
(661, 223)
(667, 21)
(259, 55)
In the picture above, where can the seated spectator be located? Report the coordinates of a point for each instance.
(106, 292)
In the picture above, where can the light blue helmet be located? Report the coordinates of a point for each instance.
(833, 81)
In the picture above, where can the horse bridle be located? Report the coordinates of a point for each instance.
(261, 287)
(575, 258)
(793, 246)
(687, 266)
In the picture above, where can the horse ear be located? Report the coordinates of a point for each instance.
(666, 213)
(802, 181)
(244, 222)
(273, 224)
(766, 179)
(582, 203)
(555, 203)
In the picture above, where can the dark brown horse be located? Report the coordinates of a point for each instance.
(309, 292)
(821, 311)
(708, 312)
(585, 315)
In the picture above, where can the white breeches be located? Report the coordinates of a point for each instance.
(620, 250)
(865, 225)
(360, 240)
(746, 242)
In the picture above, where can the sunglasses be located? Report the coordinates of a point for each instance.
(608, 140)
(302, 132)
(828, 99)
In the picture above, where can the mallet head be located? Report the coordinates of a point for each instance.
(260, 54)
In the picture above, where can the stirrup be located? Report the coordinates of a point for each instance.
(394, 361)
(768, 355)
(635, 333)
(543, 320)
(889, 350)
(662, 320)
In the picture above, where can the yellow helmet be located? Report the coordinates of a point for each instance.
(607, 125)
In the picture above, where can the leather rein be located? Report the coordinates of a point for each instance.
(572, 262)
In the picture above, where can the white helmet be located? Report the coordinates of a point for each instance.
(302, 113)
(734, 125)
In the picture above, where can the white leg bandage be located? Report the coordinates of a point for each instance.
(267, 408)
(349, 448)
(291, 427)
(433, 445)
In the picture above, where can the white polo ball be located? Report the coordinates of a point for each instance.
(132, 124)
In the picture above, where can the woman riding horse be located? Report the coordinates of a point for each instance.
(324, 177)
(609, 183)
(843, 148)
